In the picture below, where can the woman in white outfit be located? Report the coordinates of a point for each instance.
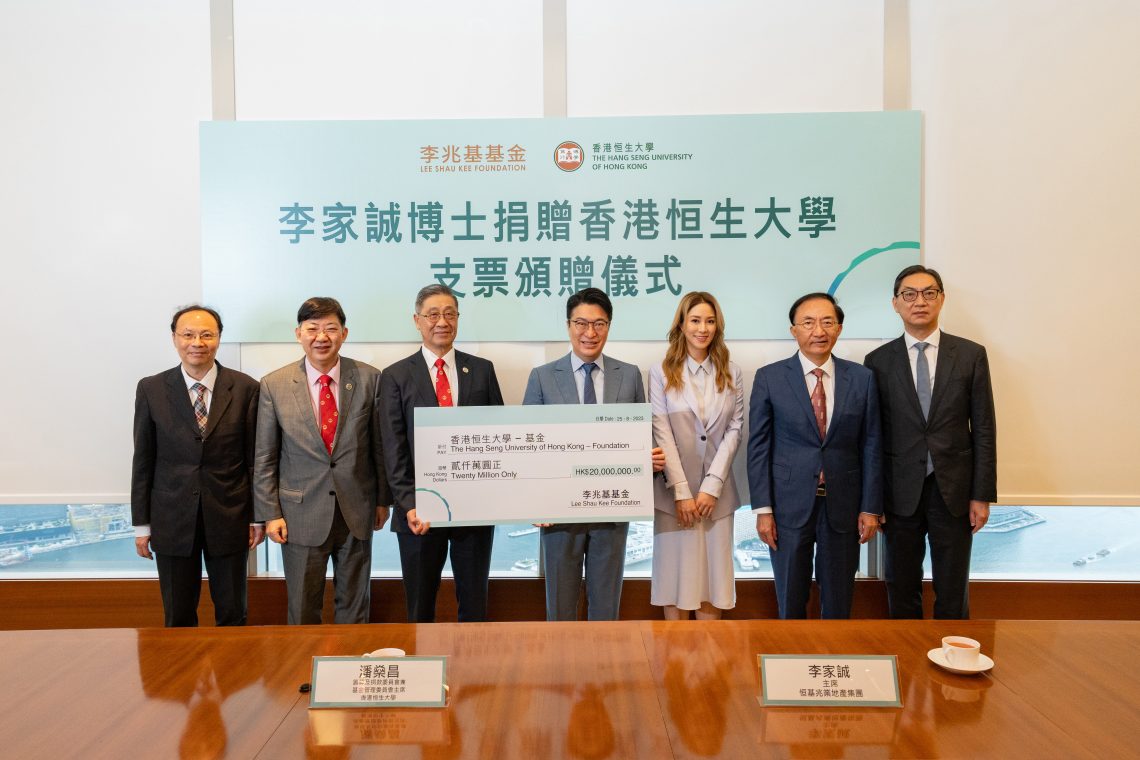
(697, 396)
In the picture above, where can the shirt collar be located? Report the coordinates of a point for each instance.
(693, 365)
(209, 380)
(576, 362)
(808, 365)
(429, 357)
(931, 339)
(314, 375)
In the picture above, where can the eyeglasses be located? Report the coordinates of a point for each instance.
(582, 325)
(827, 323)
(435, 316)
(312, 332)
(928, 295)
(190, 337)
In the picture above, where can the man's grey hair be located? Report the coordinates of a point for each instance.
(436, 289)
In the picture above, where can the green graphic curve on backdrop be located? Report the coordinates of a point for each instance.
(437, 493)
(901, 244)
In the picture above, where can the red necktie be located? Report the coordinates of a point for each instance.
(442, 387)
(819, 406)
(327, 413)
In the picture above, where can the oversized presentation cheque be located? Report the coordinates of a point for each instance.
(482, 465)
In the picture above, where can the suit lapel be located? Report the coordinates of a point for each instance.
(946, 355)
(349, 379)
(842, 395)
(223, 394)
(900, 362)
(180, 399)
(564, 380)
(304, 402)
(798, 387)
(463, 377)
(611, 380)
(417, 367)
(689, 393)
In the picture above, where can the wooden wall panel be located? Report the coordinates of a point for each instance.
(91, 603)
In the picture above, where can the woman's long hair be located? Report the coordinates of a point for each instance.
(678, 350)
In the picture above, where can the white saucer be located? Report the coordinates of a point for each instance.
(984, 663)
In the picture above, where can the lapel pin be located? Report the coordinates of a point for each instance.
(465, 370)
(348, 386)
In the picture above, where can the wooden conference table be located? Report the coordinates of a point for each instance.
(583, 690)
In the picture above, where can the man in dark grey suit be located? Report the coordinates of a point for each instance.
(585, 376)
(435, 375)
(941, 449)
(319, 471)
(191, 496)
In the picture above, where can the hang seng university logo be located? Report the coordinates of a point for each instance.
(568, 156)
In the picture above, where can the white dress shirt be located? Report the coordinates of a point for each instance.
(314, 378)
(703, 377)
(448, 369)
(932, 342)
(828, 368)
(209, 380)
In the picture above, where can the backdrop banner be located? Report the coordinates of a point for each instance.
(516, 214)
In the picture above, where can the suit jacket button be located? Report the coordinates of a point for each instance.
(332, 464)
(198, 438)
(332, 493)
(195, 493)
(702, 437)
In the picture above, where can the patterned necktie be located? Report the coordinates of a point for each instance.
(819, 406)
(589, 395)
(200, 406)
(442, 386)
(327, 412)
(819, 403)
(922, 385)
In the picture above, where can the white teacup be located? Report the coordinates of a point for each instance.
(386, 652)
(961, 652)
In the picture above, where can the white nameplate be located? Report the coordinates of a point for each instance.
(378, 682)
(866, 680)
(563, 463)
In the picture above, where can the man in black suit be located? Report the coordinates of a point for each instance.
(190, 482)
(435, 375)
(941, 449)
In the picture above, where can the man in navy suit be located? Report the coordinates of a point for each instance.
(941, 449)
(814, 462)
(191, 492)
(435, 375)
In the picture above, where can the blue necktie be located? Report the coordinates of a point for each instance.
(922, 385)
(588, 394)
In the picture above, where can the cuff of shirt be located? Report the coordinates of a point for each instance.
(762, 510)
(681, 490)
(142, 531)
(712, 485)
